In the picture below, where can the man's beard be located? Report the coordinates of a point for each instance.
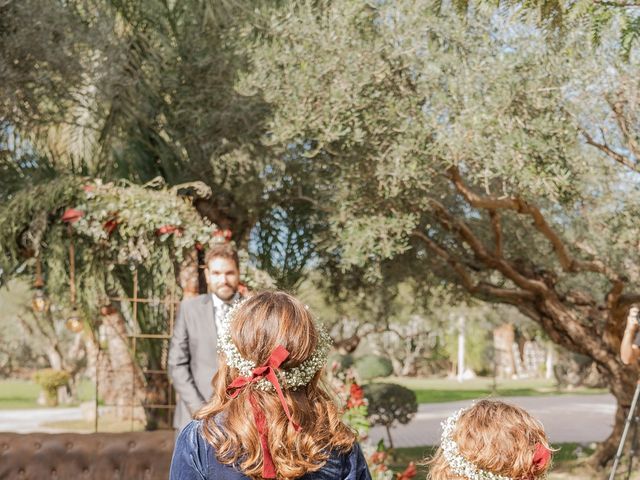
(223, 294)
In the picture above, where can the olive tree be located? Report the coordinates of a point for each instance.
(463, 148)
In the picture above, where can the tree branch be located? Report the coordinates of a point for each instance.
(628, 299)
(305, 199)
(618, 110)
(547, 309)
(467, 282)
(567, 262)
(497, 231)
(500, 264)
(618, 3)
(607, 150)
(614, 294)
(195, 189)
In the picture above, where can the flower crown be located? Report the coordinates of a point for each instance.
(460, 465)
(292, 378)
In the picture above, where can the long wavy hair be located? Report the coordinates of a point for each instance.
(498, 438)
(263, 322)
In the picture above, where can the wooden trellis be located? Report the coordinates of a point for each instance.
(133, 337)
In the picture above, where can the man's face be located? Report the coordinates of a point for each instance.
(223, 277)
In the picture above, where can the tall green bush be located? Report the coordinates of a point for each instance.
(373, 366)
(50, 380)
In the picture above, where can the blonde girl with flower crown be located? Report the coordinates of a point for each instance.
(491, 440)
(270, 415)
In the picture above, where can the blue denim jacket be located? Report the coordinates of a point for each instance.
(194, 459)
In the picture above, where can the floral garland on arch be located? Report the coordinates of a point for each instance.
(115, 227)
(130, 221)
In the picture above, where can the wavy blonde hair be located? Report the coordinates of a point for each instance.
(263, 322)
(498, 438)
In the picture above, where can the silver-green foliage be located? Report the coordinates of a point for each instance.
(391, 96)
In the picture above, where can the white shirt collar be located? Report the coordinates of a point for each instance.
(216, 300)
(217, 303)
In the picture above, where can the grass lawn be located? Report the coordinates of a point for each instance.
(435, 390)
(23, 393)
(16, 394)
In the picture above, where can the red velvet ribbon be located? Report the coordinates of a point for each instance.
(541, 457)
(268, 371)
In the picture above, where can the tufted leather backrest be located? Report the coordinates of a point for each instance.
(94, 456)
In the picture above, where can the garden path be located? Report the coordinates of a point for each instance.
(566, 418)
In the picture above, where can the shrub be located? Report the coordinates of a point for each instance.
(373, 366)
(389, 403)
(49, 380)
(343, 361)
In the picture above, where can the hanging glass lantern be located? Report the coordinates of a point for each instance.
(40, 302)
(74, 322)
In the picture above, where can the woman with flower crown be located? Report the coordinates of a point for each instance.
(491, 440)
(270, 415)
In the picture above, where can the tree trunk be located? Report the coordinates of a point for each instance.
(622, 389)
(119, 381)
(564, 329)
(226, 213)
(54, 357)
(607, 449)
(388, 428)
(503, 338)
(397, 364)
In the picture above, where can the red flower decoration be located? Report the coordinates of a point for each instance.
(199, 246)
(378, 457)
(243, 290)
(224, 235)
(409, 472)
(88, 188)
(356, 396)
(72, 215)
(110, 225)
(169, 229)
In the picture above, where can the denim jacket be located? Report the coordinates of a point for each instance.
(194, 459)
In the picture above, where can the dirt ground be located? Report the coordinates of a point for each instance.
(580, 471)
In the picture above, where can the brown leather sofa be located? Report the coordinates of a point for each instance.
(95, 456)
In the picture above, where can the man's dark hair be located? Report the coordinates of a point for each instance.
(222, 250)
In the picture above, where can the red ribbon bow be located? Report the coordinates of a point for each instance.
(267, 371)
(541, 457)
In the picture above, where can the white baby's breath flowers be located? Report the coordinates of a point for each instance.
(292, 378)
(460, 465)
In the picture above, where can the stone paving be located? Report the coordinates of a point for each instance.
(30, 420)
(566, 418)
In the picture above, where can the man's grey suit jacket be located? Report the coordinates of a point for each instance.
(193, 357)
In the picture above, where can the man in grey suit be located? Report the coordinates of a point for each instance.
(193, 357)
